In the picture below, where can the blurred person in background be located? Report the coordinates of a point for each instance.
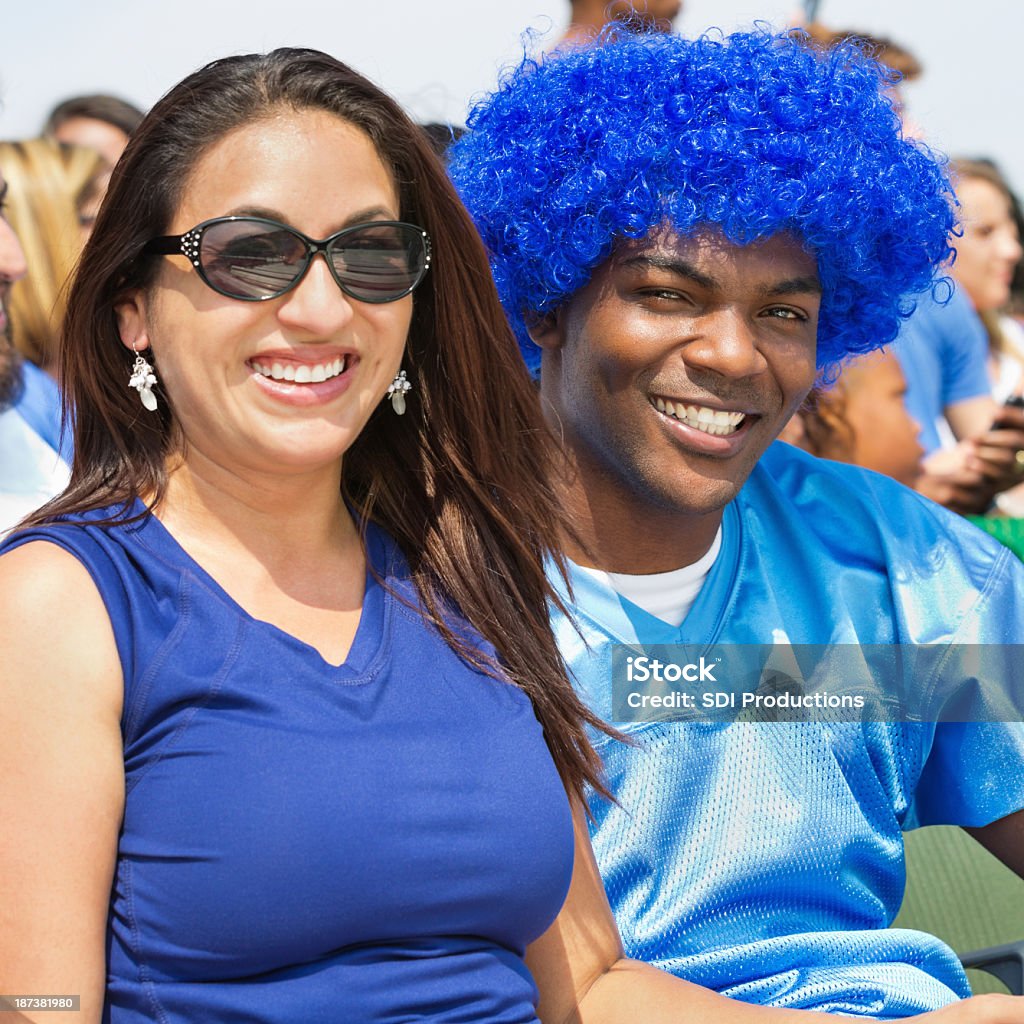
(101, 122)
(588, 17)
(1015, 308)
(30, 470)
(862, 419)
(887, 52)
(12, 269)
(53, 191)
(988, 253)
(442, 136)
(945, 350)
(942, 351)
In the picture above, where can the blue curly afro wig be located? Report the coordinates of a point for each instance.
(755, 132)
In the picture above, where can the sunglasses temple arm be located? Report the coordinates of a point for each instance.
(168, 245)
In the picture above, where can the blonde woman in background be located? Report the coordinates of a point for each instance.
(54, 192)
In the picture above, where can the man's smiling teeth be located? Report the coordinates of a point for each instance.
(302, 373)
(700, 417)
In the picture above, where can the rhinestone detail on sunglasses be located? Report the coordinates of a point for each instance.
(190, 245)
(359, 280)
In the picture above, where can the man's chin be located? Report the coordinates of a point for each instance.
(688, 494)
(11, 382)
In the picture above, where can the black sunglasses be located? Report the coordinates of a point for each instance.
(255, 259)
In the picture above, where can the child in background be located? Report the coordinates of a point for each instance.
(862, 419)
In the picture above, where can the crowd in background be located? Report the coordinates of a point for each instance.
(921, 412)
(54, 186)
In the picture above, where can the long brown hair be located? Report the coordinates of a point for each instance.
(461, 481)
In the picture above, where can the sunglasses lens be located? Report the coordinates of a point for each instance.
(248, 259)
(380, 262)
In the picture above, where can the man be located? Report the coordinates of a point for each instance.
(684, 233)
(31, 472)
(103, 123)
(588, 17)
(886, 51)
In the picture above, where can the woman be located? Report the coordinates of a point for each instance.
(258, 755)
(262, 757)
(53, 189)
(987, 253)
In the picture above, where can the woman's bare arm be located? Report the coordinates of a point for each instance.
(583, 977)
(61, 779)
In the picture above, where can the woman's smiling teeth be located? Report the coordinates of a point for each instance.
(302, 373)
(700, 417)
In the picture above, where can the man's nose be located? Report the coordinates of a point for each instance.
(726, 344)
(12, 258)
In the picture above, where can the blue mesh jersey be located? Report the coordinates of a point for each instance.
(764, 860)
(304, 843)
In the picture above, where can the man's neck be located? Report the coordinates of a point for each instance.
(636, 540)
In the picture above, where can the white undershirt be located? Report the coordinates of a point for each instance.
(668, 596)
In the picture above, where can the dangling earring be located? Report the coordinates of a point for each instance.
(396, 392)
(143, 380)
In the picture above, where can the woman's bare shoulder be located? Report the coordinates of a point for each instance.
(55, 626)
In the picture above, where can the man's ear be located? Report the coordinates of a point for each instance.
(545, 330)
(132, 323)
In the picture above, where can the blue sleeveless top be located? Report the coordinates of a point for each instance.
(377, 841)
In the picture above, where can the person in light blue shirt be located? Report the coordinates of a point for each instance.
(686, 234)
(39, 406)
(943, 350)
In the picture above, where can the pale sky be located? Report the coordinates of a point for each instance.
(434, 56)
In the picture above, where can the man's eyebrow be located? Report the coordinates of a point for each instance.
(794, 285)
(672, 264)
(805, 285)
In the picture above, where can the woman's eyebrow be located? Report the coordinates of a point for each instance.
(268, 213)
